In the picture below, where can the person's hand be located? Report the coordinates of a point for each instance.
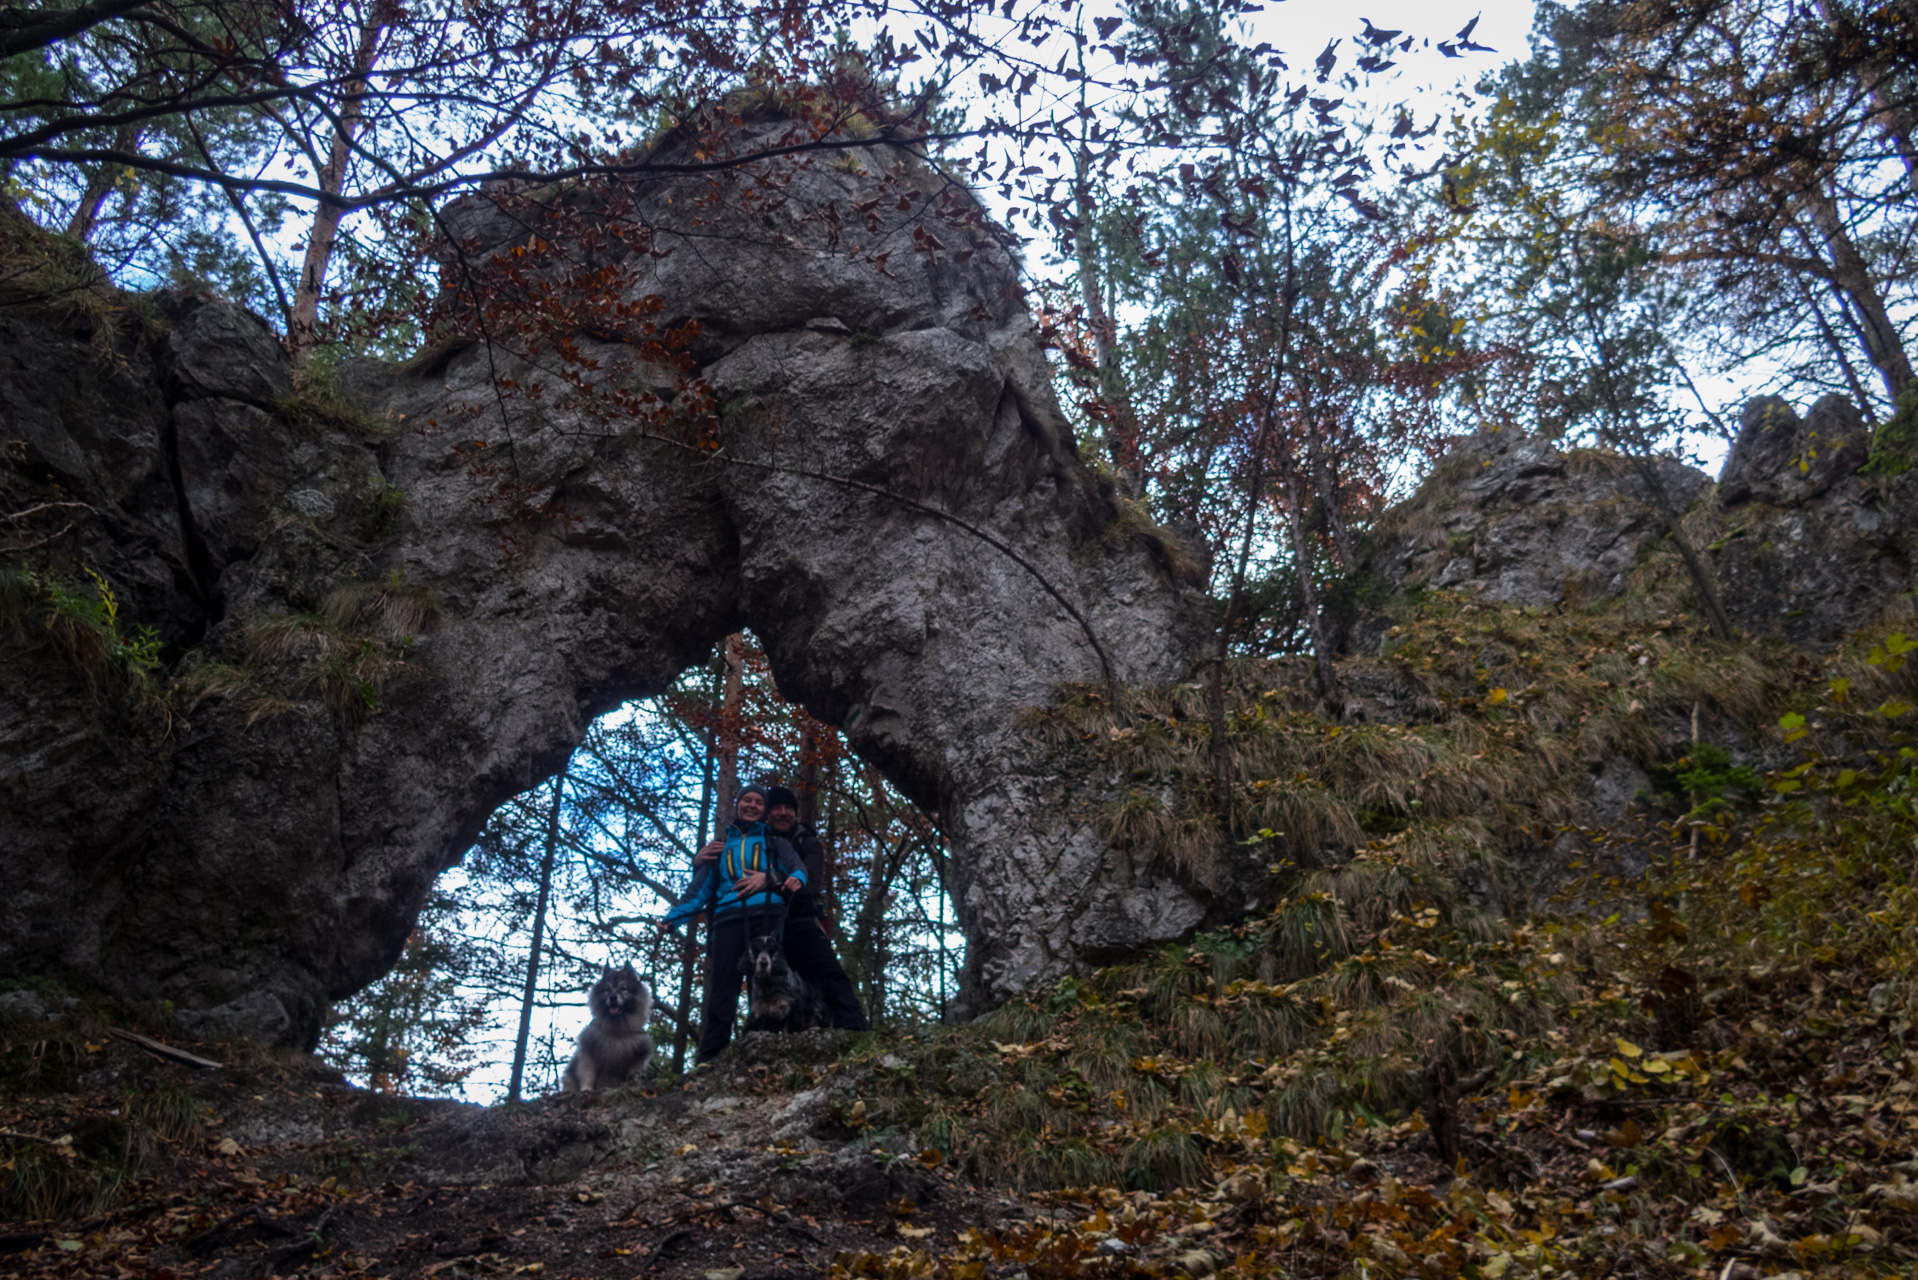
(794, 884)
(712, 851)
(750, 883)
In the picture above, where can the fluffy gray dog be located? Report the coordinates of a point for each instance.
(614, 1047)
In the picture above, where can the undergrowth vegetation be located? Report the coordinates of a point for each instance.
(1472, 1031)
(58, 274)
(347, 651)
(88, 1151)
(82, 623)
(317, 405)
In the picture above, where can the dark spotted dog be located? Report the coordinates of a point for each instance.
(778, 998)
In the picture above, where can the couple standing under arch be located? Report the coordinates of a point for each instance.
(763, 877)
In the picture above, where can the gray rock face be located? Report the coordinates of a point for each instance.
(1812, 548)
(213, 351)
(1768, 432)
(1803, 545)
(1517, 520)
(1780, 458)
(387, 624)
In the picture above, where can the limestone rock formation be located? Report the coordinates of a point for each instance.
(1812, 547)
(1804, 544)
(275, 645)
(1780, 458)
(1516, 519)
(386, 605)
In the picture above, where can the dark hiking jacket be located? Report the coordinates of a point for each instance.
(805, 904)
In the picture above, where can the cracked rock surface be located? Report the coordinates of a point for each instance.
(1515, 519)
(387, 604)
(1804, 544)
(1812, 547)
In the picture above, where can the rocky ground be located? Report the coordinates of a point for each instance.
(277, 1166)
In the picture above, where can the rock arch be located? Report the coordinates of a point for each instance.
(268, 852)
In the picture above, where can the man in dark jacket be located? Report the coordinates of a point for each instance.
(742, 882)
(808, 946)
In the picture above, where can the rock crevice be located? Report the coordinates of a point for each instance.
(388, 609)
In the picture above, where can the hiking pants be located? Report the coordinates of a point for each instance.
(809, 952)
(725, 944)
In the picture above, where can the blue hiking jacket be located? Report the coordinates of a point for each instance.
(753, 848)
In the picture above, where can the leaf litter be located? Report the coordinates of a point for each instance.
(1680, 1047)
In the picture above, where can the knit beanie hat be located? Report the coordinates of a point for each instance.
(755, 789)
(777, 795)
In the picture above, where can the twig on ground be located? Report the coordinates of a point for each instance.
(206, 1240)
(672, 1238)
(309, 1238)
(167, 1051)
(15, 517)
(33, 1137)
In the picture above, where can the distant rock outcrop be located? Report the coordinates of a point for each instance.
(1804, 544)
(1516, 519)
(392, 603)
(1811, 546)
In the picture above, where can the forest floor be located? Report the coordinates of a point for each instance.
(1697, 1059)
(271, 1165)
(765, 1168)
(274, 1166)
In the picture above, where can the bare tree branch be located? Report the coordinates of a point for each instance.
(23, 30)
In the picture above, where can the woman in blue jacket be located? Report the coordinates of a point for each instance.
(742, 895)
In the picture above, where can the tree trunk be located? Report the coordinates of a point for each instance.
(1221, 749)
(812, 746)
(1328, 487)
(1852, 274)
(869, 940)
(1215, 691)
(539, 940)
(1703, 580)
(1836, 347)
(303, 323)
(728, 731)
(86, 214)
(688, 946)
(1329, 690)
(829, 904)
(682, 1033)
(1120, 425)
(1341, 532)
(1215, 714)
(942, 953)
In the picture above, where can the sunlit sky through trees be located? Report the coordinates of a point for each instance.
(628, 824)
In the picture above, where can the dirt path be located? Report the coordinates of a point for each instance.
(742, 1173)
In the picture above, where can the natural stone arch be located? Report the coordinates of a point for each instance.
(261, 864)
